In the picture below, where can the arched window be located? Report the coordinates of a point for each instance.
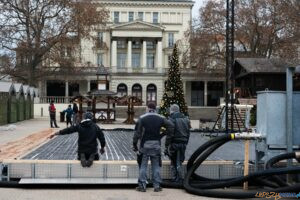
(137, 91)
(122, 90)
(151, 94)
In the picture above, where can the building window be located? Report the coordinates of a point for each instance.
(99, 59)
(130, 16)
(137, 91)
(55, 88)
(150, 60)
(141, 16)
(93, 85)
(215, 90)
(151, 94)
(64, 53)
(136, 60)
(155, 17)
(121, 44)
(150, 45)
(122, 90)
(100, 37)
(116, 17)
(69, 52)
(136, 44)
(121, 62)
(171, 40)
(197, 94)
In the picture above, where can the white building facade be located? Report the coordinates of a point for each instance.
(135, 46)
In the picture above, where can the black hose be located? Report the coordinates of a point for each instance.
(202, 186)
(195, 155)
(276, 159)
(204, 146)
(9, 184)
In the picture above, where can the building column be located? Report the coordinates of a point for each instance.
(159, 56)
(184, 87)
(144, 55)
(114, 55)
(205, 93)
(88, 86)
(144, 94)
(129, 56)
(45, 88)
(67, 89)
(40, 87)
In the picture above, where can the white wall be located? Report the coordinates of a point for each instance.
(43, 107)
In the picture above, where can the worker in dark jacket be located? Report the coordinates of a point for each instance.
(88, 133)
(148, 133)
(75, 113)
(69, 112)
(177, 141)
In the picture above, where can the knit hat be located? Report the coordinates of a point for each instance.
(88, 115)
(174, 108)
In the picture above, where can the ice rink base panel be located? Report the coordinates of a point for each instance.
(102, 172)
(54, 162)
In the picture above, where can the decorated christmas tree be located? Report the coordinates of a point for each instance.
(173, 93)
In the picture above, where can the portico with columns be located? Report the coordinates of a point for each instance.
(143, 50)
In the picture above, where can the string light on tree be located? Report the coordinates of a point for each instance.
(174, 87)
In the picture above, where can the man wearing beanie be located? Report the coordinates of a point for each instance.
(88, 133)
(148, 133)
(177, 141)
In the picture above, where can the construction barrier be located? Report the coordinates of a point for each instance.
(3, 108)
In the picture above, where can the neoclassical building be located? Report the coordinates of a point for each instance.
(135, 46)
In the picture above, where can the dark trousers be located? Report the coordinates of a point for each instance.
(53, 120)
(177, 156)
(68, 120)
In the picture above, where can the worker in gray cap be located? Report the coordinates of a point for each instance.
(88, 133)
(177, 141)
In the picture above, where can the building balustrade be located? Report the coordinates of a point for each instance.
(56, 99)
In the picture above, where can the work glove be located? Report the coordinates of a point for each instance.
(135, 148)
(52, 136)
(102, 151)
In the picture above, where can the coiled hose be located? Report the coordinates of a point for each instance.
(203, 186)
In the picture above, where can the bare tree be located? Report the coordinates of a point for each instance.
(263, 28)
(40, 33)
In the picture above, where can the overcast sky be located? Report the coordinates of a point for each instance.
(196, 7)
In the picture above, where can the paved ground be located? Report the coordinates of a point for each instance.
(23, 129)
(96, 194)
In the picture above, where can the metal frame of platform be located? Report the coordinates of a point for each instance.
(101, 172)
